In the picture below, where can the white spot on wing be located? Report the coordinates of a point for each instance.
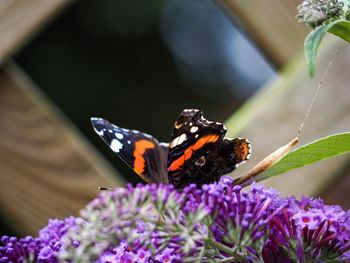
(194, 129)
(119, 135)
(129, 142)
(182, 138)
(178, 140)
(116, 145)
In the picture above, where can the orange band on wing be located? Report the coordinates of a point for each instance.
(140, 148)
(189, 151)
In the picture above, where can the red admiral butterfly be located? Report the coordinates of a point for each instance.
(197, 153)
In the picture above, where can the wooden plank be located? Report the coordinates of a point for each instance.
(22, 19)
(273, 116)
(47, 169)
(272, 26)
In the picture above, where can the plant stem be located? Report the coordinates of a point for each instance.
(230, 259)
(221, 247)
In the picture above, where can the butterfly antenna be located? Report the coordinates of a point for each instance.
(320, 85)
(106, 188)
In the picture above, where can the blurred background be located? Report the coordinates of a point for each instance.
(139, 64)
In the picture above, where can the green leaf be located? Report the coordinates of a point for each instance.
(340, 28)
(322, 149)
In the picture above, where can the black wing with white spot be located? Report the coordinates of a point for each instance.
(199, 153)
(142, 152)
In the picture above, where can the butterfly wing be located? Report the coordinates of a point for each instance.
(142, 152)
(199, 153)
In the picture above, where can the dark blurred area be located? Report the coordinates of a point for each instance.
(139, 63)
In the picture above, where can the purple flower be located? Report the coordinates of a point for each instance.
(43, 249)
(123, 253)
(167, 255)
(18, 250)
(217, 222)
(50, 238)
(309, 231)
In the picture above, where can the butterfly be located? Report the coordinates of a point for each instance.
(198, 151)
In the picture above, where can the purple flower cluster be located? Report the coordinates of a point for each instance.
(124, 253)
(215, 223)
(309, 231)
(44, 248)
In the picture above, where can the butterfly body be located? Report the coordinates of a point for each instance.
(198, 151)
